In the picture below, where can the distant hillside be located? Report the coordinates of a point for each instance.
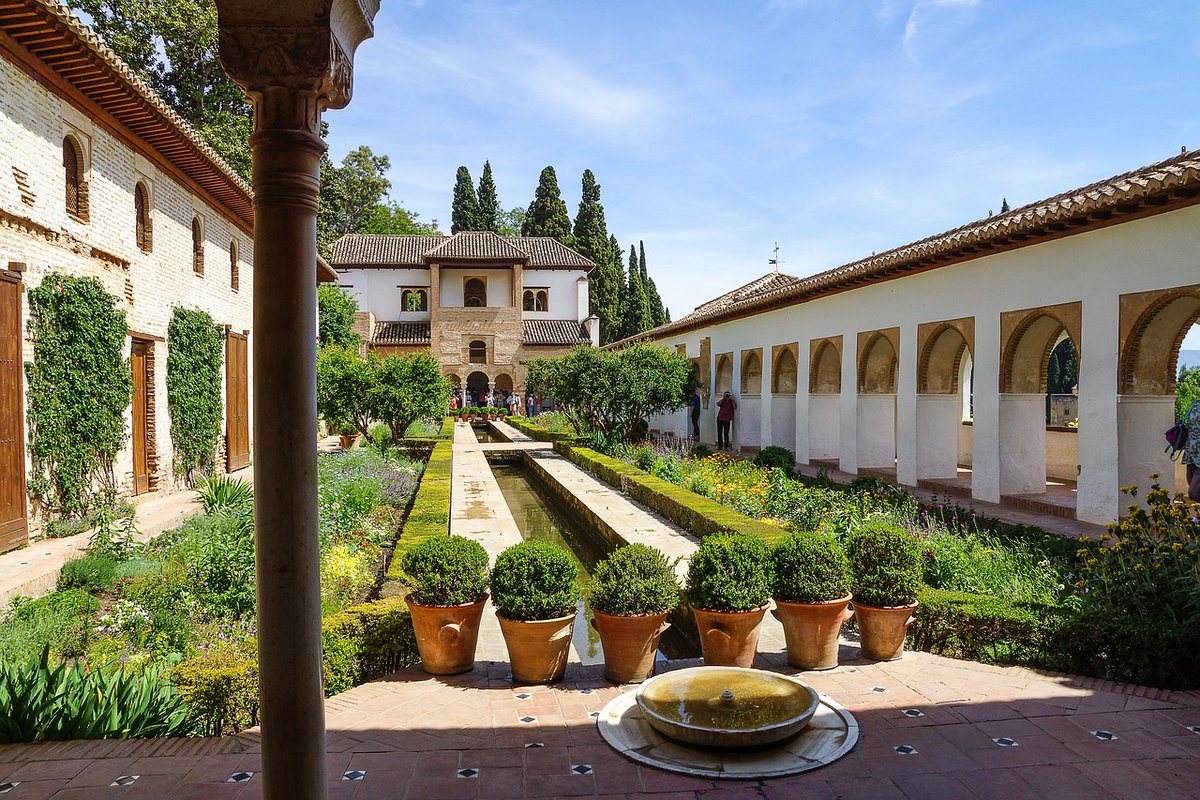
(1189, 358)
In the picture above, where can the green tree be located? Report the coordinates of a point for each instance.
(547, 214)
(1187, 390)
(637, 304)
(172, 45)
(335, 316)
(349, 193)
(194, 359)
(489, 204)
(657, 312)
(510, 223)
(390, 217)
(615, 327)
(592, 240)
(613, 392)
(464, 213)
(344, 380)
(407, 388)
(1062, 371)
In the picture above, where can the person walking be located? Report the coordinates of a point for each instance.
(696, 415)
(725, 408)
(1191, 450)
(529, 405)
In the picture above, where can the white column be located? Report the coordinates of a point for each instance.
(1098, 499)
(767, 399)
(905, 442)
(938, 418)
(1022, 443)
(1141, 421)
(848, 460)
(985, 428)
(735, 433)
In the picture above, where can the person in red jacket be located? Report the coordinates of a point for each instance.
(725, 408)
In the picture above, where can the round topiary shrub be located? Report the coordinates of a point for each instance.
(446, 570)
(809, 567)
(730, 572)
(534, 580)
(775, 456)
(885, 565)
(636, 579)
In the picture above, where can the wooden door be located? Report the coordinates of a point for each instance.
(14, 529)
(141, 413)
(237, 403)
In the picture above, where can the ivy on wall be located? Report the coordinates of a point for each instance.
(79, 386)
(194, 389)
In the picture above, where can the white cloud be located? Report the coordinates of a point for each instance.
(919, 8)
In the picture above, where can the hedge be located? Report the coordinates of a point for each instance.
(430, 512)
(360, 643)
(538, 432)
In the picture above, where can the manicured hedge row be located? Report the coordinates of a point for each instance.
(538, 432)
(430, 512)
(685, 508)
(985, 628)
(359, 643)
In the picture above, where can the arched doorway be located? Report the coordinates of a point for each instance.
(824, 401)
(477, 386)
(784, 374)
(944, 442)
(748, 420)
(878, 363)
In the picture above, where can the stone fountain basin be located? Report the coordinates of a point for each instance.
(692, 705)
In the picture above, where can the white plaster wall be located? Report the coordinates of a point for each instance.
(938, 419)
(748, 420)
(566, 299)
(824, 426)
(378, 290)
(1062, 454)
(1094, 267)
(876, 430)
(499, 286)
(783, 421)
(1145, 418)
(1023, 459)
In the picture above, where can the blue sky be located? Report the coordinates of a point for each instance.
(718, 128)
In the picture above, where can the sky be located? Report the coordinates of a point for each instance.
(835, 128)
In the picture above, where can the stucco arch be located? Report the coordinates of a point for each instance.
(477, 381)
(944, 348)
(504, 381)
(1029, 336)
(1153, 326)
(825, 370)
(878, 361)
(785, 372)
(724, 373)
(751, 371)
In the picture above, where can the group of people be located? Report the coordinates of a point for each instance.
(726, 407)
(530, 405)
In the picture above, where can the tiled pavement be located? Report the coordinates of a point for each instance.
(932, 728)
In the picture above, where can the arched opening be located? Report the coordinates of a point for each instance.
(143, 232)
(477, 388)
(477, 352)
(751, 373)
(504, 381)
(535, 300)
(197, 246)
(1159, 380)
(414, 300)
(475, 293)
(876, 407)
(235, 278)
(824, 402)
(73, 176)
(748, 419)
(783, 396)
(784, 379)
(724, 375)
(944, 441)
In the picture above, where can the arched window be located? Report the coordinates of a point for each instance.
(527, 300)
(478, 352)
(197, 247)
(414, 300)
(540, 303)
(76, 188)
(234, 278)
(535, 300)
(475, 293)
(141, 209)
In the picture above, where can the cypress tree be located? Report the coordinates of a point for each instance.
(489, 204)
(592, 240)
(464, 214)
(637, 305)
(616, 266)
(547, 214)
(652, 296)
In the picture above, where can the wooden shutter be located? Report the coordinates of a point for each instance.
(14, 529)
(141, 411)
(237, 402)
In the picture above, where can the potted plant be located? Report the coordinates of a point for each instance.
(348, 435)
(812, 597)
(535, 590)
(885, 576)
(449, 575)
(472, 412)
(631, 594)
(462, 414)
(729, 590)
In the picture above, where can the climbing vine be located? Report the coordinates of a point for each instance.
(79, 386)
(194, 389)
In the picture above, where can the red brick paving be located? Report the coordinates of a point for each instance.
(412, 733)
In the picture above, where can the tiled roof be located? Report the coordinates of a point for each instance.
(553, 331)
(401, 333)
(772, 281)
(416, 250)
(1163, 186)
(51, 32)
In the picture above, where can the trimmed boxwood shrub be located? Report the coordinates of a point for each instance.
(430, 512)
(447, 570)
(885, 565)
(775, 456)
(636, 579)
(534, 580)
(730, 572)
(809, 567)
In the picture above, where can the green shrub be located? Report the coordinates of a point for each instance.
(345, 574)
(154, 611)
(88, 572)
(774, 456)
(447, 570)
(44, 702)
(217, 551)
(430, 512)
(701, 451)
(221, 690)
(534, 580)
(380, 435)
(365, 641)
(885, 565)
(729, 572)
(195, 351)
(636, 579)
(981, 563)
(62, 528)
(988, 628)
(223, 493)
(62, 621)
(809, 568)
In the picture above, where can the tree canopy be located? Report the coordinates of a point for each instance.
(547, 214)
(464, 213)
(1187, 390)
(489, 203)
(407, 388)
(335, 317)
(637, 304)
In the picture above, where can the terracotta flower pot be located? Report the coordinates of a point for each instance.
(537, 649)
(881, 630)
(729, 638)
(446, 635)
(811, 631)
(348, 440)
(629, 643)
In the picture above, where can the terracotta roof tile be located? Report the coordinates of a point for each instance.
(384, 249)
(401, 333)
(416, 250)
(553, 331)
(477, 244)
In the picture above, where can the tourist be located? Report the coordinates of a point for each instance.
(529, 404)
(537, 405)
(1191, 451)
(725, 408)
(453, 403)
(514, 405)
(696, 415)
